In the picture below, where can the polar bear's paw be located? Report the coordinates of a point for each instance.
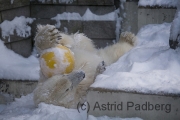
(47, 36)
(101, 68)
(128, 37)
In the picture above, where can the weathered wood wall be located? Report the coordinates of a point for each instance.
(135, 17)
(101, 32)
(8, 11)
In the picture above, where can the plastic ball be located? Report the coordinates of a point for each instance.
(57, 60)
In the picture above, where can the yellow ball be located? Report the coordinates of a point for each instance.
(57, 60)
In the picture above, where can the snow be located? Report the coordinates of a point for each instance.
(12, 1)
(118, 24)
(175, 29)
(18, 24)
(122, 4)
(16, 67)
(88, 16)
(90, 117)
(165, 3)
(55, 1)
(24, 109)
(151, 67)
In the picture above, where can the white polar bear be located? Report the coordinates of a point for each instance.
(69, 90)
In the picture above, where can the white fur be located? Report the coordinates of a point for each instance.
(87, 59)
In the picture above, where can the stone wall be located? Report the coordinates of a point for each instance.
(8, 11)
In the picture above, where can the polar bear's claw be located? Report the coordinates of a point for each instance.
(101, 67)
(47, 36)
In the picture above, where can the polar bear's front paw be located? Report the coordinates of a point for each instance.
(55, 36)
(101, 67)
(47, 36)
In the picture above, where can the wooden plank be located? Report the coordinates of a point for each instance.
(141, 18)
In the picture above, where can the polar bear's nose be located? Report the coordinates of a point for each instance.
(82, 74)
(76, 77)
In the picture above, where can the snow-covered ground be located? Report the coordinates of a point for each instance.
(24, 109)
(151, 67)
(16, 67)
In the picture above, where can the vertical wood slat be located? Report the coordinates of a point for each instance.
(154, 16)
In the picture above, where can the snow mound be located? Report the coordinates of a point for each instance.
(175, 29)
(18, 24)
(24, 109)
(151, 67)
(16, 67)
(165, 3)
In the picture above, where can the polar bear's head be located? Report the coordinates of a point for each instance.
(65, 84)
(59, 89)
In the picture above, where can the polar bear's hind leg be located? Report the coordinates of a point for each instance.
(111, 54)
(128, 37)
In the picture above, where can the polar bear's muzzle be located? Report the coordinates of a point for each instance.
(76, 77)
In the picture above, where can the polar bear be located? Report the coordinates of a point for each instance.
(70, 89)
